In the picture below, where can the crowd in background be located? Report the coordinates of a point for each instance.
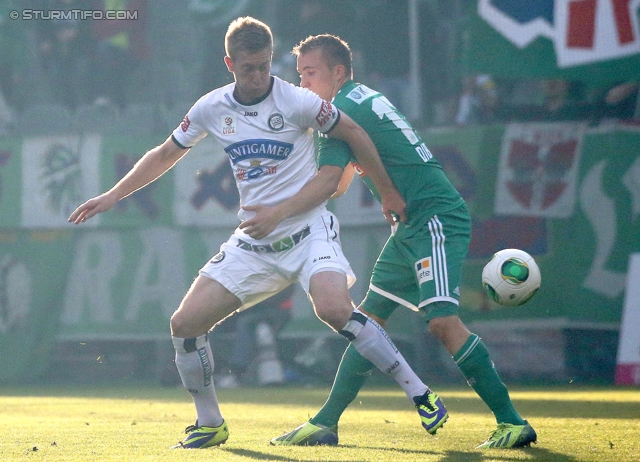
(76, 62)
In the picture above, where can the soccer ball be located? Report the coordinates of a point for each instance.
(511, 277)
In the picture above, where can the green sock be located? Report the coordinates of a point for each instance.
(476, 366)
(352, 373)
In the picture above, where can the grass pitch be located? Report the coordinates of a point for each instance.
(140, 423)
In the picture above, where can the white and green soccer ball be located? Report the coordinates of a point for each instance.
(511, 277)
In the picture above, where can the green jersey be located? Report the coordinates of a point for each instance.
(411, 166)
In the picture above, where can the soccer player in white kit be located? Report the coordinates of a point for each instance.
(265, 126)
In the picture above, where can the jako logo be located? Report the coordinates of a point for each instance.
(582, 31)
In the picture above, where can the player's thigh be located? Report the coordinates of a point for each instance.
(393, 283)
(330, 297)
(206, 303)
(320, 251)
(439, 263)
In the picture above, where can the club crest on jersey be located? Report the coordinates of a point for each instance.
(228, 125)
(276, 122)
(424, 271)
(217, 258)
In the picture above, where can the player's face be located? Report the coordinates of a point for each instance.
(316, 75)
(252, 73)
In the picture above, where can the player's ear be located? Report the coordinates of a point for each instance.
(229, 63)
(340, 71)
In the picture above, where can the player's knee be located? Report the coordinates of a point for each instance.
(333, 311)
(180, 326)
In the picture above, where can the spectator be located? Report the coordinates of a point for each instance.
(623, 102)
(65, 48)
(478, 101)
(121, 45)
(562, 100)
(255, 337)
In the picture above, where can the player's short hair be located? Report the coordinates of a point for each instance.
(334, 50)
(247, 34)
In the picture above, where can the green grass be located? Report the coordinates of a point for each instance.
(140, 423)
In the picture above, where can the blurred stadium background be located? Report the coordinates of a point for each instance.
(531, 106)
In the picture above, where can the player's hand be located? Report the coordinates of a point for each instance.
(92, 207)
(263, 222)
(394, 204)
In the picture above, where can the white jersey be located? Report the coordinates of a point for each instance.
(269, 144)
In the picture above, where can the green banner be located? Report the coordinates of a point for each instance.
(573, 203)
(34, 265)
(594, 42)
(566, 193)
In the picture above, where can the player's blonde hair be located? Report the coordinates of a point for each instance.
(247, 34)
(335, 51)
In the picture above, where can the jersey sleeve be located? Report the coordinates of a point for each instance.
(317, 113)
(332, 151)
(191, 129)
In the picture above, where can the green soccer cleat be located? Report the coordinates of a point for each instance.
(432, 411)
(510, 436)
(203, 437)
(309, 434)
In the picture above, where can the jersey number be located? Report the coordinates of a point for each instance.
(382, 107)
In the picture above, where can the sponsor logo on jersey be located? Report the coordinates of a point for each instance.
(423, 270)
(361, 93)
(258, 149)
(228, 125)
(255, 171)
(185, 124)
(276, 122)
(325, 114)
(251, 113)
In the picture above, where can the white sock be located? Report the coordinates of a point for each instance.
(194, 361)
(373, 343)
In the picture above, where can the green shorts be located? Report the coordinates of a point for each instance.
(420, 266)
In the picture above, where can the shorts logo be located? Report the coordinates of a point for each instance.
(217, 258)
(326, 257)
(228, 125)
(424, 271)
(276, 122)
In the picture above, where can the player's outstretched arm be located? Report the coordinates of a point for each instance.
(315, 192)
(367, 156)
(150, 167)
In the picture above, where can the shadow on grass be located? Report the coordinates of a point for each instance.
(448, 456)
(505, 455)
(315, 397)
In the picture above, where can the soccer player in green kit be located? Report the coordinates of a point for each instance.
(420, 265)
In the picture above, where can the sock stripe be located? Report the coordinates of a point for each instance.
(472, 347)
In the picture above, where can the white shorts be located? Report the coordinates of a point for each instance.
(253, 273)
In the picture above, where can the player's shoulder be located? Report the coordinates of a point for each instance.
(215, 97)
(282, 88)
(354, 94)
